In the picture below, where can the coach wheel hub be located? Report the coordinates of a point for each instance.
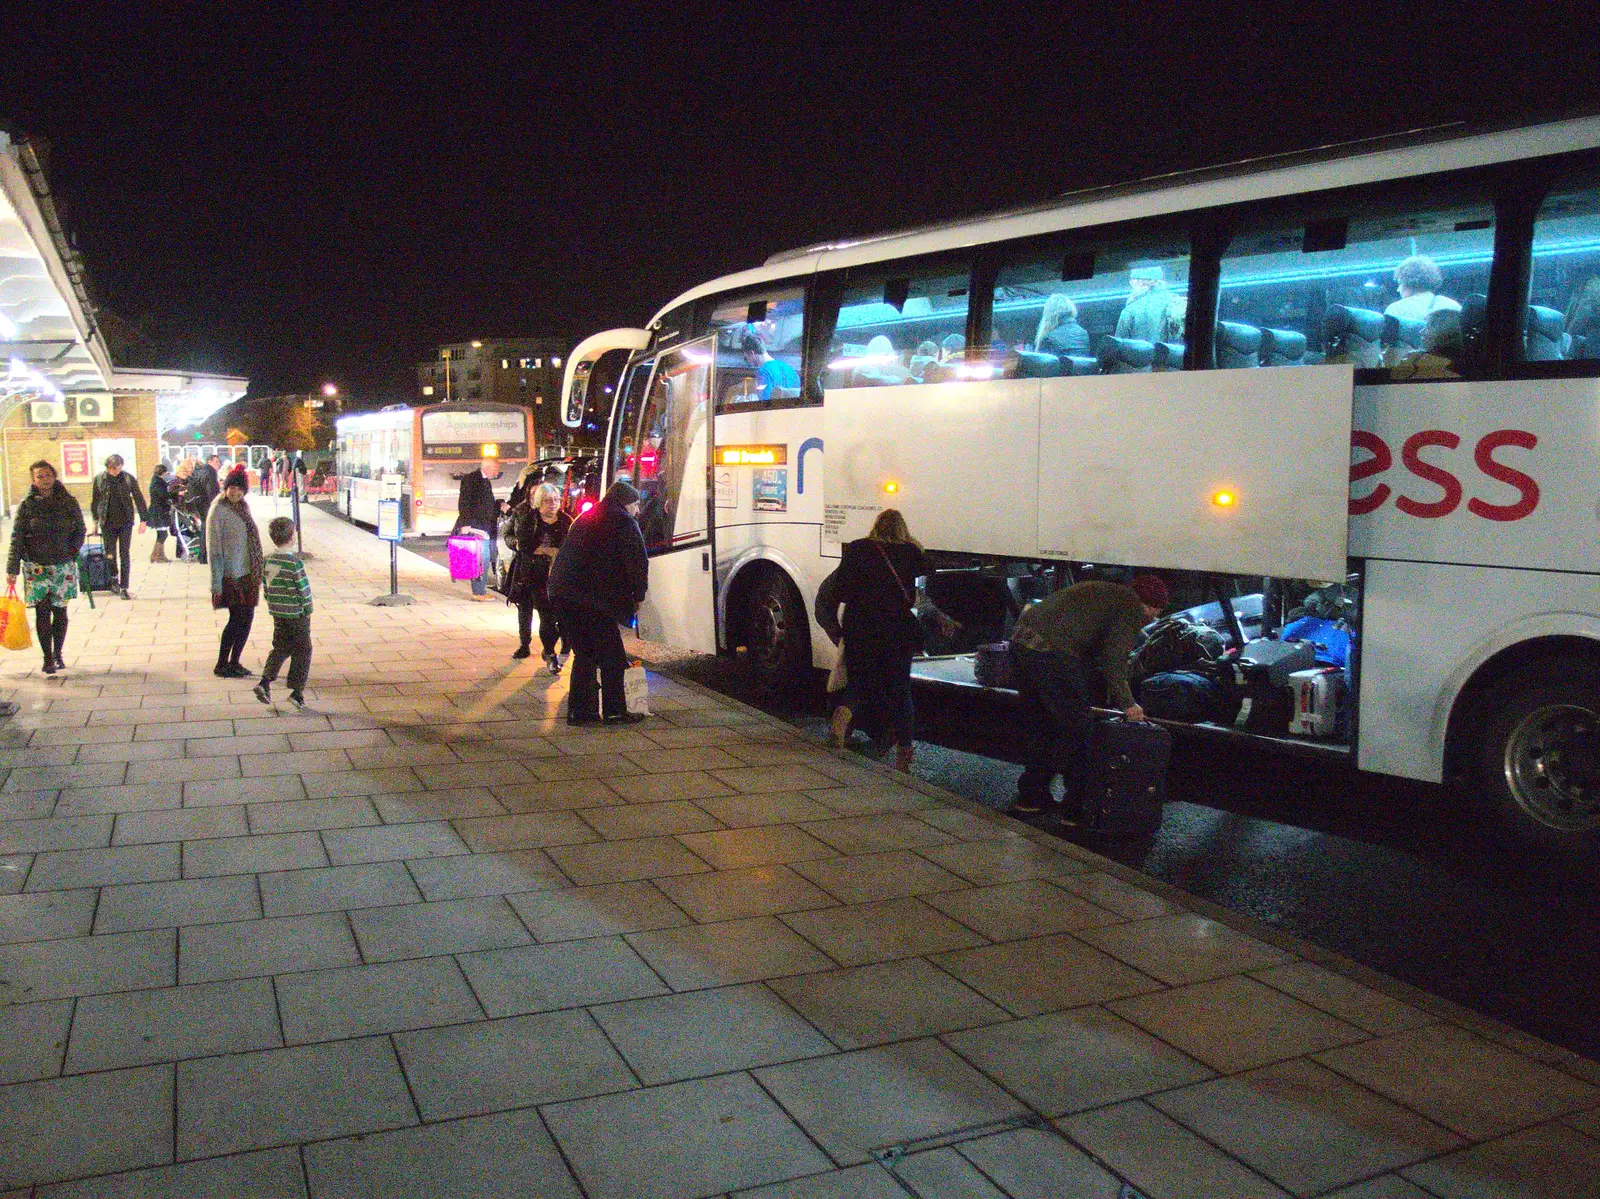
(1552, 766)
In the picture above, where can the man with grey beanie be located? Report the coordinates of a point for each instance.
(597, 582)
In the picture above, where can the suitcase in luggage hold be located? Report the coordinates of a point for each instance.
(991, 665)
(1318, 697)
(1279, 659)
(1265, 705)
(94, 568)
(1125, 778)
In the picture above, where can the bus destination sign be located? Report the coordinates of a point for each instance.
(752, 455)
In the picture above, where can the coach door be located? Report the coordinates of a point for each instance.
(671, 452)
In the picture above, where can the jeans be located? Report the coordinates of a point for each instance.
(235, 633)
(480, 585)
(596, 649)
(119, 553)
(291, 639)
(1057, 724)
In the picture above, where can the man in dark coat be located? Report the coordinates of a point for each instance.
(115, 501)
(198, 493)
(478, 509)
(597, 582)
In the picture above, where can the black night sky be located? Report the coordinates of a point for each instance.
(307, 192)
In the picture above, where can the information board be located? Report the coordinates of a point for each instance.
(389, 520)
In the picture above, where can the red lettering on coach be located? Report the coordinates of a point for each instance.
(1379, 459)
(1411, 456)
(1484, 457)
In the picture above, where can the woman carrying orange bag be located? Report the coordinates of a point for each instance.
(45, 541)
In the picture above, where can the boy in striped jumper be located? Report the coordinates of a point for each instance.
(288, 593)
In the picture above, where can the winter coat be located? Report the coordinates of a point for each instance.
(530, 570)
(233, 548)
(160, 516)
(48, 530)
(878, 586)
(201, 489)
(602, 564)
(477, 507)
(116, 499)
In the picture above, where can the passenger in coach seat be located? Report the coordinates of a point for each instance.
(772, 374)
(1583, 319)
(1418, 279)
(1144, 316)
(1443, 348)
(880, 365)
(1059, 331)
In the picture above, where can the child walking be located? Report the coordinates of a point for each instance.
(289, 600)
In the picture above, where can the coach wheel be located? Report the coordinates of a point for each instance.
(777, 638)
(1540, 757)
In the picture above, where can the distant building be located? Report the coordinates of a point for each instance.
(508, 370)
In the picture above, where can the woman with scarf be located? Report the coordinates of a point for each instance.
(233, 547)
(538, 527)
(45, 539)
(160, 512)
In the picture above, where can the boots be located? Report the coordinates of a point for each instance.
(159, 553)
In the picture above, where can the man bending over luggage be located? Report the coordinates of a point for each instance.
(1053, 647)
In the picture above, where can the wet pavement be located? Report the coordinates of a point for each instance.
(1384, 870)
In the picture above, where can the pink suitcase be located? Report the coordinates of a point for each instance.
(466, 557)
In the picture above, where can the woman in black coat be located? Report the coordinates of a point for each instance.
(538, 528)
(877, 583)
(160, 515)
(45, 539)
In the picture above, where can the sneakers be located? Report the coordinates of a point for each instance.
(298, 700)
(839, 727)
(522, 652)
(479, 599)
(553, 662)
(262, 691)
(232, 670)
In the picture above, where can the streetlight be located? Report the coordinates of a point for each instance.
(329, 390)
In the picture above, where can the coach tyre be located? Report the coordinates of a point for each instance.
(1539, 759)
(777, 636)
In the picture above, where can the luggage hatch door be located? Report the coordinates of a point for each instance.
(1227, 471)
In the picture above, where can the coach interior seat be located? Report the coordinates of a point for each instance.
(1353, 335)
(1125, 356)
(919, 365)
(1079, 364)
(1401, 339)
(1546, 338)
(1282, 347)
(1238, 346)
(1033, 365)
(1169, 356)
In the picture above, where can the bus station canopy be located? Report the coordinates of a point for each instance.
(47, 334)
(50, 343)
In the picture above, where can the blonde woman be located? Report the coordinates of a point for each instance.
(878, 585)
(1059, 331)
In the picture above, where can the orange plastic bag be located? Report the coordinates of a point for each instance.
(14, 632)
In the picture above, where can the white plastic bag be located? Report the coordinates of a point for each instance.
(838, 679)
(636, 690)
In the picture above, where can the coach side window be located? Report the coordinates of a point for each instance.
(1563, 318)
(760, 339)
(1066, 309)
(900, 323)
(1402, 290)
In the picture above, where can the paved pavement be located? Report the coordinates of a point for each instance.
(426, 940)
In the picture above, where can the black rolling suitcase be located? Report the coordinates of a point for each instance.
(94, 568)
(1125, 778)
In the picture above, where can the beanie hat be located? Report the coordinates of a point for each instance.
(623, 493)
(1152, 592)
(237, 477)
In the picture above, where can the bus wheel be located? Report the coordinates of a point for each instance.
(777, 638)
(1539, 760)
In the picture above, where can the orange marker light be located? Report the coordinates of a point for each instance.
(891, 487)
(1224, 499)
